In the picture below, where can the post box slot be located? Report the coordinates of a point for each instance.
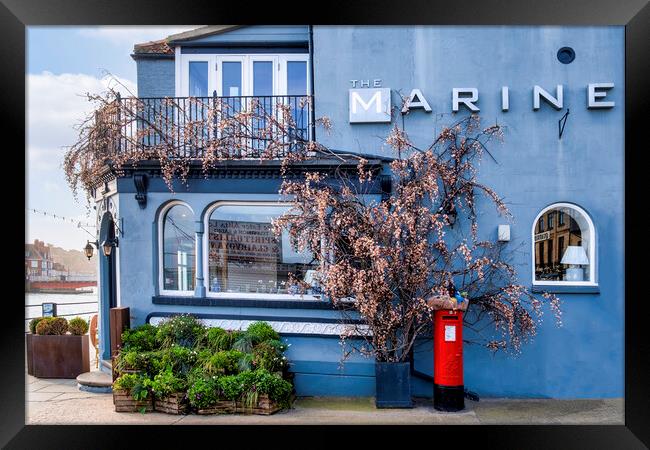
(450, 317)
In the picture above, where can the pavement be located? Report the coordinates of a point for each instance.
(58, 401)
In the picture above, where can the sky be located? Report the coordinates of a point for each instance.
(63, 64)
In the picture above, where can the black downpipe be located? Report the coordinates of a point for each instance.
(312, 113)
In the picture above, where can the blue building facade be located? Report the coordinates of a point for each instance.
(560, 175)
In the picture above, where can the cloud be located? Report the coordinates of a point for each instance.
(129, 35)
(56, 103)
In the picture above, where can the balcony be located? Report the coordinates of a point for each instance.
(208, 128)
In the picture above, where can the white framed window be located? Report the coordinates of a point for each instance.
(564, 254)
(195, 75)
(243, 258)
(243, 74)
(176, 249)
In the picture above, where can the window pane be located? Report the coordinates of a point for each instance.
(198, 79)
(262, 78)
(245, 256)
(570, 238)
(297, 85)
(296, 78)
(178, 249)
(231, 79)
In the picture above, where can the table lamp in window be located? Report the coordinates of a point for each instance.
(575, 257)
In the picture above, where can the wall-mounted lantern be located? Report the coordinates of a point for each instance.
(88, 249)
(107, 246)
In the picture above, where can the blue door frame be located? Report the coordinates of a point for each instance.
(107, 291)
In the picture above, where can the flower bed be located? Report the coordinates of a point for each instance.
(183, 367)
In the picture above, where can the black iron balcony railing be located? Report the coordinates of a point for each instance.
(237, 127)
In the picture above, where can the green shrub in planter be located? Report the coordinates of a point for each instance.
(223, 363)
(247, 386)
(33, 323)
(217, 339)
(166, 383)
(203, 393)
(137, 385)
(52, 326)
(78, 326)
(184, 330)
(180, 359)
(269, 357)
(141, 338)
(231, 386)
(146, 362)
(261, 331)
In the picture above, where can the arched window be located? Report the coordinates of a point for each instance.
(243, 257)
(564, 246)
(177, 242)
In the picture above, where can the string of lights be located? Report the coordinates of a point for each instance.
(60, 217)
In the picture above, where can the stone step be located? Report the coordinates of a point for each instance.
(95, 381)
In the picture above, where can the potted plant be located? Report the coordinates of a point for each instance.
(58, 349)
(382, 256)
(131, 393)
(170, 392)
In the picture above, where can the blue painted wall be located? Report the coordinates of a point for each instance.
(585, 357)
(155, 77)
(582, 359)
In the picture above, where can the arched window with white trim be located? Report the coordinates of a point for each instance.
(243, 257)
(564, 246)
(177, 249)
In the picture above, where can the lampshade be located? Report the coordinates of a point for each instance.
(575, 255)
(88, 250)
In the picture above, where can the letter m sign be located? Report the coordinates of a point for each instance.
(369, 105)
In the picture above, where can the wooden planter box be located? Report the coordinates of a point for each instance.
(264, 407)
(125, 403)
(57, 356)
(173, 404)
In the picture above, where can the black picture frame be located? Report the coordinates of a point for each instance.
(634, 14)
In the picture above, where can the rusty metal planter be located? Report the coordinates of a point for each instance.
(125, 403)
(57, 356)
(175, 403)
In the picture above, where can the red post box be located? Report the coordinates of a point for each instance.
(448, 388)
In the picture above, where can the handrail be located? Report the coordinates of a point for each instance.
(190, 126)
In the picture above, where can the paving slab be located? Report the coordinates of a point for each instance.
(58, 388)
(544, 411)
(40, 396)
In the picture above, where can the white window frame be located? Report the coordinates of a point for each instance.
(185, 73)
(206, 247)
(263, 57)
(215, 60)
(218, 66)
(283, 59)
(592, 248)
(161, 231)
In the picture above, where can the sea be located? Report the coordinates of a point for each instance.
(67, 305)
